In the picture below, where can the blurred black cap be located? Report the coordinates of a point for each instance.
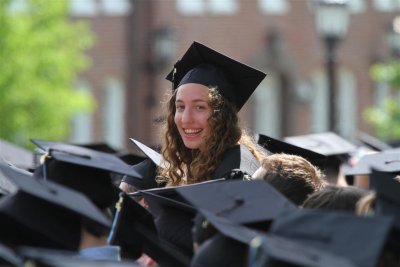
(39, 257)
(148, 170)
(387, 190)
(329, 144)
(84, 170)
(277, 146)
(273, 251)
(44, 213)
(241, 202)
(373, 142)
(8, 257)
(342, 234)
(203, 65)
(134, 230)
(388, 161)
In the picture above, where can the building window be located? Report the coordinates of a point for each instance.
(266, 107)
(113, 111)
(319, 104)
(82, 123)
(347, 105)
(83, 8)
(115, 7)
(357, 6)
(386, 5)
(201, 7)
(275, 7)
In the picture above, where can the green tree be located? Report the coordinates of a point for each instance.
(41, 52)
(386, 119)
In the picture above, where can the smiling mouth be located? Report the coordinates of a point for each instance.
(192, 132)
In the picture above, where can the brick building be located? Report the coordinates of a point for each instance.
(139, 40)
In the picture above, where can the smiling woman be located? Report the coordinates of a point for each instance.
(203, 139)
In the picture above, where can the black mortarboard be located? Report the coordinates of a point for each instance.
(388, 161)
(148, 170)
(203, 65)
(172, 215)
(130, 158)
(8, 257)
(86, 157)
(134, 228)
(265, 249)
(387, 190)
(277, 146)
(328, 143)
(373, 142)
(45, 213)
(84, 170)
(342, 234)
(243, 202)
(275, 251)
(102, 147)
(334, 147)
(39, 257)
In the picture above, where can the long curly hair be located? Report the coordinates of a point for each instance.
(187, 166)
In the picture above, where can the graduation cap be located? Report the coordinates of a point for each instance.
(147, 168)
(273, 251)
(44, 213)
(84, 170)
(242, 202)
(388, 161)
(86, 157)
(8, 257)
(335, 148)
(277, 146)
(264, 249)
(203, 65)
(342, 234)
(387, 193)
(134, 228)
(328, 144)
(373, 142)
(39, 257)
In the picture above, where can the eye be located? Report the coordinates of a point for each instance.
(200, 107)
(179, 107)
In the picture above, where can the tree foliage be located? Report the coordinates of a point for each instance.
(41, 52)
(386, 119)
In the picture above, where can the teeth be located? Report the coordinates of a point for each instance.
(192, 131)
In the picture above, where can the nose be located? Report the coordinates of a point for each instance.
(187, 116)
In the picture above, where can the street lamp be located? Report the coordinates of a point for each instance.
(331, 21)
(393, 37)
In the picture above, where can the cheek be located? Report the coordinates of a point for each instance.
(177, 118)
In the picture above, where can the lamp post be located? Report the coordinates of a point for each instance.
(331, 20)
(163, 51)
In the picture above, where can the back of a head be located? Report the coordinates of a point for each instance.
(96, 184)
(292, 175)
(336, 198)
(220, 251)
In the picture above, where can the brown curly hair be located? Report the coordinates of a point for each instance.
(292, 175)
(193, 164)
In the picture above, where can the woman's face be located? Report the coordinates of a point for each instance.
(192, 112)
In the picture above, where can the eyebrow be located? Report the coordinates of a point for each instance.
(195, 100)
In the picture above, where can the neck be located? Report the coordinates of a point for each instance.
(88, 240)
